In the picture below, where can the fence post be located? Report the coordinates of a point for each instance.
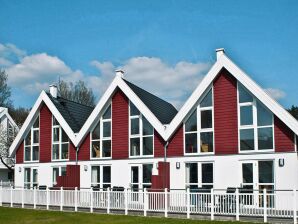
(126, 201)
(48, 198)
(212, 204)
(76, 199)
(108, 200)
(187, 203)
(295, 206)
(1, 193)
(265, 204)
(91, 200)
(34, 197)
(166, 202)
(237, 204)
(11, 198)
(61, 199)
(22, 197)
(145, 202)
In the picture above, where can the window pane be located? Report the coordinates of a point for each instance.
(191, 123)
(266, 172)
(246, 139)
(133, 110)
(264, 115)
(206, 119)
(28, 139)
(95, 174)
(107, 129)
(206, 141)
(107, 114)
(207, 101)
(55, 151)
(244, 95)
(147, 145)
(27, 175)
(247, 172)
(95, 149)
(64, 136)
(36, 123)
(35, 152)
(27, 153)
(106, 148)
(135, 146)
(135, 174)
(96, 132)
(36, 136)
(106, 174)
(207, 173)
(191, 143)
(64, 151)
(134, 126)
(246, 115)
(35, 176)
(147, 173)
(265, 138)
(147, 127)
(56, 134)
(193, 173)
(55, 175)
(63, 171)
(55, 122)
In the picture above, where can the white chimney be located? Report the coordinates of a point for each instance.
(120, 73)
(219, 52)
(53, 90)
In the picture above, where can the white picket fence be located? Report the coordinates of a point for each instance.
(276, 204)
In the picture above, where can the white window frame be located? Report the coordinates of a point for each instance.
(200, 176)
(199, 129)
(59, 172)
(102, 138)
(140, 135)
(31, 183)
(101, 183)
(32, 129)
(254, 126)
(59, 142)
(140, 177)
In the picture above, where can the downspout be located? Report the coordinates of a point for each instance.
(77, 155)
(165, 160)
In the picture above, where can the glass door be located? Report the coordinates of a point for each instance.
(135, 182)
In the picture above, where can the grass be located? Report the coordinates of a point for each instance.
(29, 216)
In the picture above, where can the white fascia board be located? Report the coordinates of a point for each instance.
(12, 121)
(43, 97)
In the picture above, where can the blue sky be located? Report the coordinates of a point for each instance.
(164, 46)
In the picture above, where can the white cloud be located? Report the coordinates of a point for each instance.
(10, 54)
(276, 93)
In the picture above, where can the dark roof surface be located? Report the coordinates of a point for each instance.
(75, 114)
(163, 110)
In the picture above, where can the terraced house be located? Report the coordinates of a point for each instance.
(229, 133)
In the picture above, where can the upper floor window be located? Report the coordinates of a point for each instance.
(101, 136)
(141, 133)
(60, 142)
(198, 128)
(255, 122)
(31, 143)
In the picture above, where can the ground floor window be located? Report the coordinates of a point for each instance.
(30, 177)
(199, 175)
(58, 171)
(141, 176)
(101, 176)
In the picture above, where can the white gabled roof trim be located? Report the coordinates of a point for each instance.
(224, 62)
(43, 97)
(120, 83)
(5, 113)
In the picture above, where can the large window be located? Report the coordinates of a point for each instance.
(141, 134)
(31, 143)
(255, 123)
(60, 142)
(199, 175)
(141, 176)
(101, 176)
(101, 136)
(198, 127)
(58, 171)
(30, 177)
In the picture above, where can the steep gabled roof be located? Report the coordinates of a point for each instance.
(224, 62)
(4, 112)
(163, 110)
(75, 114)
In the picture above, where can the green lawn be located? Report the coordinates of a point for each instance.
(29, 216)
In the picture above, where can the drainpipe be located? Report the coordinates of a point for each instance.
(165, 160)
(77, 155)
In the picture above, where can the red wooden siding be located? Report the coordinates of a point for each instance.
(72, 152)
(162, 180)
(284, 136)
(45, 129)
(120, 118)
(225, 114)
(158, 145)
(20, 153)
(72, 178)
(84, 150)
